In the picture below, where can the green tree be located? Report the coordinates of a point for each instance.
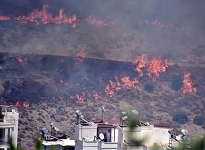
(180, 117)
(177, 82)
(199, 120)
(149, 86)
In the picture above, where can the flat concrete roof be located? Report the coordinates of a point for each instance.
(62, 142)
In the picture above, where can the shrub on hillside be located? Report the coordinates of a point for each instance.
(149, 86)
(180, 117)
(203, 126)
(199, 120)
(199, 50)
(177, 82)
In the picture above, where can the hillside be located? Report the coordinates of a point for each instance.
(60, 56)
(56, 86)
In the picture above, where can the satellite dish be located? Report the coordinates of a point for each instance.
(135, 112)
(52, 125)
(81, 116)
(123, 113)
(184, 132)
(45, 130)
(146, 123)
(78, 112)
(101, 136)
(171, 132)
(56, 129)
(124, 118)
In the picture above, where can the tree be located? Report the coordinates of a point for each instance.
(149, 86)
(180, 117)
(177, 82)
(199, 120)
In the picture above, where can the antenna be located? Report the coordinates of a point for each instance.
(79, 116)
(103, 110)
(54, 129)
(184, 132)
(123, 117)
(45, 133)
(52, 125)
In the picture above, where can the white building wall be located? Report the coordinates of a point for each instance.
(152, 135)
(156, 136)
(86, 132)
(13, 116)
(10, 128)
(114, 135)
(96, 145)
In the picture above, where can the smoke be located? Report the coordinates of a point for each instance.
(169, 28)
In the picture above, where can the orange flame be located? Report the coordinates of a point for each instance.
(81, 97)
(44, 17)
(187, 86)
(21, 60)
(25, 104)
(98, 23)
(81, 56)
(115, 85)
(156, 66)
(140, 64)
(157, 23)
(18, 104)
(95, 95)
(109, 92)
(4, 18)
(127, 83)
(19, 81)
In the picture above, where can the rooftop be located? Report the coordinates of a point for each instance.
(62, 142)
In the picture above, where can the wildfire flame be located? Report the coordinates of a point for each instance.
(4, 18)
(98, 23)
(127, 83)
(21, 60)
(108, 91)
(17, 104)
(156, 66)
(44, 17)
(19, 81)
(95, 95)
(140, 64)
(24, 105)
(81, 97)
(81, 56)
(115, 85)
(187, 86)
(153, 68)
(159, 24)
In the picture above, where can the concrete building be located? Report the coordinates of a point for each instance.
(9, 117)
(54, 140)
(112, 135)
(59, 144)
(152, 135)
(101, 136)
